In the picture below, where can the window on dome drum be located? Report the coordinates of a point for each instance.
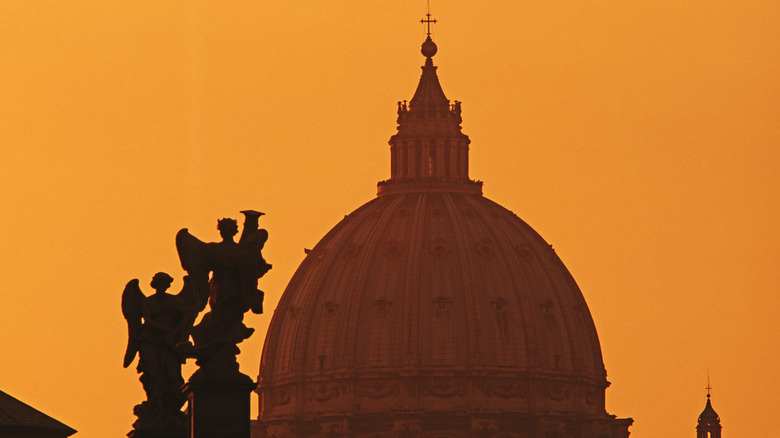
(326, 334)
(442, 331)
(378, 333)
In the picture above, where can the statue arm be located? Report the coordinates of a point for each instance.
(251, 224)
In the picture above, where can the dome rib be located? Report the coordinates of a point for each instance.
(472, 324)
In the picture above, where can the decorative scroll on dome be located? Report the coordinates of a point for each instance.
(280, 397)
(504, 389)
(351, 250)
(323, 393)
(499, 305)
(524, 251)
(485, 247)
(392, 249)
(444, 388)
(382, 305)
(590, 396)
(556, 391)
(331, 307)
(547, 306)
(439, 248)
(379, 389)
(441, 305)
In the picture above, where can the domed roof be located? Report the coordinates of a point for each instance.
(433, 283)
(708, 416)
(431, 298)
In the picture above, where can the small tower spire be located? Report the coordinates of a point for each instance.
(709, 421)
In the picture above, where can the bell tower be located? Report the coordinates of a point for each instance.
(709, 422)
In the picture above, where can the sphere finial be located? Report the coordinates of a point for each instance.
(428, 48)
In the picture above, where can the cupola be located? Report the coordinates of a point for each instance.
(429, 152)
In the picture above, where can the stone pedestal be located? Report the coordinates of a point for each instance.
(219, 410)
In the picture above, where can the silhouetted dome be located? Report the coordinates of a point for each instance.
(432, 308)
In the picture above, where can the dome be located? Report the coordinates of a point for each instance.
(708, 416)
(447, 286)
(432, 309)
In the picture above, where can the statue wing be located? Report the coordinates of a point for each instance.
(193, 254)
(132, 299)
(192, 251)
(192, 306)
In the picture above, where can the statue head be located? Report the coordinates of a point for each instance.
(227, 228)
(161, 281)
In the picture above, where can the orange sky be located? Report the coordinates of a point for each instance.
(639, 138)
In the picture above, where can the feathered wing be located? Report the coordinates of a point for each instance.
(192, 306)
(132, 299)
(193, 254)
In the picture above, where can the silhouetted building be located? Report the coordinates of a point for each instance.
(19, 420)
(432, 311)
(709, 422)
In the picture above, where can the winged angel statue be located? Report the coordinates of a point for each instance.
(158, 331)
(231, 291)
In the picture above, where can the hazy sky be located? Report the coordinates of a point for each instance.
(640, 138)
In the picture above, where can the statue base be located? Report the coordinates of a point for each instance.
(219, 409)
(157, 434)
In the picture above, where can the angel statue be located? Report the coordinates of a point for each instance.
(231, 291)
(158, 330)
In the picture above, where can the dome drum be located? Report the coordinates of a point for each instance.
(464, 393)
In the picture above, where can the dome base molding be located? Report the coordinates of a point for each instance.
(419, 424)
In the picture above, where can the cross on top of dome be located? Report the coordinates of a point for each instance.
(428, 48)
(427, 20)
